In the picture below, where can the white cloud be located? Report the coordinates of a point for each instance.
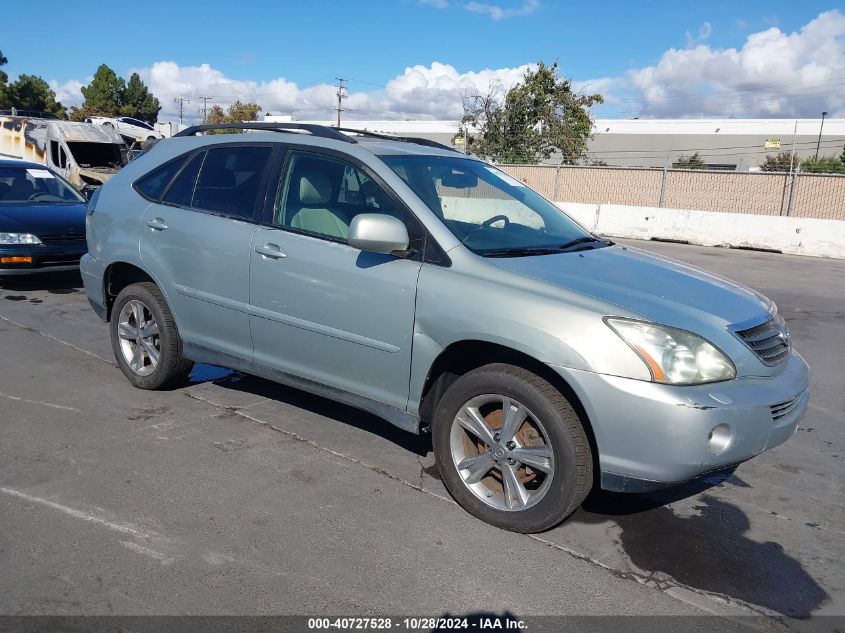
(497, 12)
(704, 32)
(773, 74)
(428, 92)
(68, 93)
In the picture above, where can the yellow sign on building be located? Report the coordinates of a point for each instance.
(772, 143)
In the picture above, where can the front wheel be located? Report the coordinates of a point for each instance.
(145, 340)
(511, 449)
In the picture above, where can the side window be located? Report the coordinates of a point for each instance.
(182, 189)
(322, 195)
(57, 154)
(152, 185)
(230, 179)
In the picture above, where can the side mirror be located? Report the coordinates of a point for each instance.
(378, 233)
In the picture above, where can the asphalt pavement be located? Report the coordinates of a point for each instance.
(235, 495)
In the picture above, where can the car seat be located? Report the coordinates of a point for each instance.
(307, 208)
(20, 190)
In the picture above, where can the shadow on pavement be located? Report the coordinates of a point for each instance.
(417, 444)
(708, 551)
(54, 283)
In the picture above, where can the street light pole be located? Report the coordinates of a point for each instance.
(821, 127)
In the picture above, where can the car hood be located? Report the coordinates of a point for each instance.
(657, 288)
(43, 219)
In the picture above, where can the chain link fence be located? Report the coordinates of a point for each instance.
(761, 193)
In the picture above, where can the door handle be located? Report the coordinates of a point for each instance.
(157, 224)
(271, 250)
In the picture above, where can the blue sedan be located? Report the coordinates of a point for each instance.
(42, 220)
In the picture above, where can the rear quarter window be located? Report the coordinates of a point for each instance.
(153, 185)
(181, 191)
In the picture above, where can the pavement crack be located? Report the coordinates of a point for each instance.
(299, 438)
(422, 469)
(58, 340)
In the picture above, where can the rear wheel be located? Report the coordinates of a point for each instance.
(145, 340)
(511, 449)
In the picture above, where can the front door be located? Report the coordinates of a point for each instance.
(322, 310)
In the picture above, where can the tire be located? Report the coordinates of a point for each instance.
(136, 357)
(542, 495)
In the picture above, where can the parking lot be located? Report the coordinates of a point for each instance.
(234, 495)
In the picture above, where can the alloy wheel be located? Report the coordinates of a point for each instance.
(140, 341)
(502, 452)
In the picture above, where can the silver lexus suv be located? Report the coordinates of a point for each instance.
(434, 290)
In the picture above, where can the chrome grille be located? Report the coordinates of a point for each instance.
(62, 239)
(784, 408)
(769, 340)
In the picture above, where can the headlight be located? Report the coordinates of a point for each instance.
(674, 356)
(18, 238)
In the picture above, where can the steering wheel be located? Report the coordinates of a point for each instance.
(489, 221)
(41, 195)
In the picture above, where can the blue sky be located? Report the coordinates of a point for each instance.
(304, 45)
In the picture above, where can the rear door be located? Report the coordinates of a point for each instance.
(196, 241)
(321, 309)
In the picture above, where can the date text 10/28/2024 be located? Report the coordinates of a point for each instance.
(470, 623)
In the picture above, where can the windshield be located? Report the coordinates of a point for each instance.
(21, 185)
(491, 213)
(89, 154)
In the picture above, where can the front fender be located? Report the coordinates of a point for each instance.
(553, 326)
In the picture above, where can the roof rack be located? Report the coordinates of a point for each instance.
(324, 131)
(315, 130)
(406, 139)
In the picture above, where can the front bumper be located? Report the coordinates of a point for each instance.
(651, 435)
(46, 258)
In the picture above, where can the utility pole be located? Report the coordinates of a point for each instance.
(181, 101)
(341, 95)
(204, 108)
(821, 127)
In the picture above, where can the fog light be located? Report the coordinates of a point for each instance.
(15, 260)
(719, 439)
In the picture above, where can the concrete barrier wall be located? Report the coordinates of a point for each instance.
(796, 236)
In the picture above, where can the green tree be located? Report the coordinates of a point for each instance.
(104, 95)
(823, 165)
(779, 162)
(538, 117)
(139, 102)
(237, 113)
(30, 92)
(689, 162)
(4, 79)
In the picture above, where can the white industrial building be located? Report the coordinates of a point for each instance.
(730, 144)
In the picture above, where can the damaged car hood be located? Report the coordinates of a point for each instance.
(659, 289)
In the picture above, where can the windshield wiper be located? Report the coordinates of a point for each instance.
(520, 252)
(587, 239)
